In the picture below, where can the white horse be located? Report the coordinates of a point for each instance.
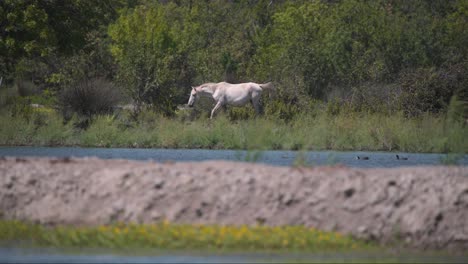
(230, 94)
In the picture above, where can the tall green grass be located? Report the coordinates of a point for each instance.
(322, 131)
(41, 128)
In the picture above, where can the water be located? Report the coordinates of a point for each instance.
(50, 255)
(278, 158)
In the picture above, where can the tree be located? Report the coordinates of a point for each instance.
(34, 29)
(24, 31)
(145, 48)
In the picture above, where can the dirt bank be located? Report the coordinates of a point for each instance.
(423, 206)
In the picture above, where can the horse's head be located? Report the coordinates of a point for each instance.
(193, 97)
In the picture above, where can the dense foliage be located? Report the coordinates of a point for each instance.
(378, 55)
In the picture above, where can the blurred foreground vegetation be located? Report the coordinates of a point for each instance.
(349, 75)
(165, 235)
(297, 244)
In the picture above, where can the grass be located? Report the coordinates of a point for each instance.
(164, 235)
(342, 132)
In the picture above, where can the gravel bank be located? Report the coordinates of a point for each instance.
(426, 207)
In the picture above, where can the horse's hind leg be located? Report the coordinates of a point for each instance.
(256, 104)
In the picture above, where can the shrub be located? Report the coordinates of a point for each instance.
(26, 87)
(30, 76)
(372, 97)
(280, 109)
(50, 130)
(7, 95)
(89, 97)
(457, 110)
(430, 90)
(21, 107)
(239, 113)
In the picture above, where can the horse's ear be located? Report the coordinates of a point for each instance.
(193, 88)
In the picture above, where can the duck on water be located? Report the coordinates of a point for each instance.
(398, 157)
(362, 157)
(401, 158)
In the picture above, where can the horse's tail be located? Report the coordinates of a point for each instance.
(267, 86)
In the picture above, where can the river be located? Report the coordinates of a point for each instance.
(278, 158)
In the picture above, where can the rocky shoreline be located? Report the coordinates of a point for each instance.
(423, 207)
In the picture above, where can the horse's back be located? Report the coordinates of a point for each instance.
(235, 94)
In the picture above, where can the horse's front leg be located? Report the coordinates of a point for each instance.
(217, 106)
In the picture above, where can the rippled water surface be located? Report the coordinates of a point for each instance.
(279, 158)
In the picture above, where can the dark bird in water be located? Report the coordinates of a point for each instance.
(401, 158)
(362, 158)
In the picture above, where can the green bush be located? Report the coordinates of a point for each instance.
(281, 109)
(103, 132)
(89, 97)
(51, 131)
(457, 110)
(427, 90)
(7, 96)
(21, 107)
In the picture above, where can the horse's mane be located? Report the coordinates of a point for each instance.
(208, 84)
